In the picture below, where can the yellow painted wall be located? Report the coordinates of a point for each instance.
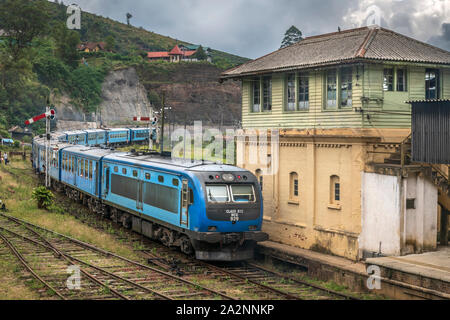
(312, 222)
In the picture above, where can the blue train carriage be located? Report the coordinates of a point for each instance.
(139, 135)
(118, 136)
(38, 155)
(77, 137)
(214, 210)
(80, 175)
(96, 137)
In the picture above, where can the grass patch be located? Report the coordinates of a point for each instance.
(17, 181)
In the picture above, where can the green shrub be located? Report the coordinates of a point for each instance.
(43, 196)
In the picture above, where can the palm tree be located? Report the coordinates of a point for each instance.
(129, 16)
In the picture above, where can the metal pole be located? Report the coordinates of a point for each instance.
(162, 125)
(47, 147)
(150, 130)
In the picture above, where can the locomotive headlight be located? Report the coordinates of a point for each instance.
(252, 228)
(228, 177)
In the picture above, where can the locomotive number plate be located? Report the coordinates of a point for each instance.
(234, 214)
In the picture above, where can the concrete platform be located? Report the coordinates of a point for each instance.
(429, 270)
(396, 284)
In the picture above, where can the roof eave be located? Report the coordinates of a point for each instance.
(225, 76)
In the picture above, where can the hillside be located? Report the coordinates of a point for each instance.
(40, 64)
(130, 40)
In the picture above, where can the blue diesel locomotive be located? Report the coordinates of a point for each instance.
(214, 211)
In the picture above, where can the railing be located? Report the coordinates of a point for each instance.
(403, 150)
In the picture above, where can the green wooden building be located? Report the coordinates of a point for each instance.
(358, 78)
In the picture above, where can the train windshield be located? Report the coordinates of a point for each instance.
(243, 193)
(217, 193)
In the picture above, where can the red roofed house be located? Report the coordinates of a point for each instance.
(160, 55)
(92, 46)
(175, 55)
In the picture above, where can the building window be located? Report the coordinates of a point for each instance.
(259, 177)
(256, 96)
(267, 93)
(432, 84)
(331, 88)
(335, 190)
(388, 79)
(401, 80)
(291, 92)
(303, 91)
(293, 179)
(346, 87)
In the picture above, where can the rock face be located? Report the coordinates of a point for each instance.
(123, 98)
(192, 90)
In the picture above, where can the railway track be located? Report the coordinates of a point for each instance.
(249, 281)
(46, 255)
(249, 278)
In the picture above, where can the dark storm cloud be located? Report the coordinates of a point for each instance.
(442, 40)
(251, 28)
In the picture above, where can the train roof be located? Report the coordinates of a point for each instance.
(169, 163)
(117, 129)
(94, 130)
(76, 132)
(93, 152)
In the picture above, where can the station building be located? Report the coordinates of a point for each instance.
(345, 183)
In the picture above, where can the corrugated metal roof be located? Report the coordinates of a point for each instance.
(427, 101)
(367, 43)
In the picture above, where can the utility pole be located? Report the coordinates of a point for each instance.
(47, 146)
(162, 123)
(150, 131)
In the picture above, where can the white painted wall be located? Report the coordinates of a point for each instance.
(380, 214)
(420, 224)
(387, 226)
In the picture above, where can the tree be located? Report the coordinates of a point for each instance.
(22, 21)
(66, 45)
(292, 35)
(110, 43)
(200, 54)
(129, 16)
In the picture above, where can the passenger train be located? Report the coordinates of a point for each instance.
(212, 210)
(108, 137)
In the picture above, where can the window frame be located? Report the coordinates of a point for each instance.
(336, 98)
(405, 79)
(294, 186)
(230, 187)
(345, 72)
(437, 80)
(259, 83)
(335, 184)
(388, 86)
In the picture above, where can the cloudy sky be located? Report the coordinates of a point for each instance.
(252, 28)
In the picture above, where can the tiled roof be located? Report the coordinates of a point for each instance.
(160, 54)
(189, 53)
(91, 45)
(176, 51)
(367, 43)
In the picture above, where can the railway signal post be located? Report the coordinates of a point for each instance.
(152, 122)
(49, 114)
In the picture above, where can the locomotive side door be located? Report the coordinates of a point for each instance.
(140, 191)
(184, 215)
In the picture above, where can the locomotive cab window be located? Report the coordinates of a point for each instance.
(243, 193)
(217, 193)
